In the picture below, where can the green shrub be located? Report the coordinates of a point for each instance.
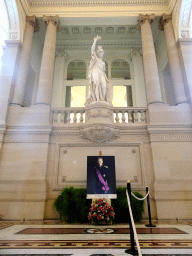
(73, 206)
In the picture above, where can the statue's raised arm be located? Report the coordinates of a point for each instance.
(99, 83)
(94, 44)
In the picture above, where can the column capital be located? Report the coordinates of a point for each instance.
(143, 18)
(61, 53)
(164, 19)
(134, 52)
(53, 19)
(32, 20)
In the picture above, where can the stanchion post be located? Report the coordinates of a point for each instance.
(149, 210)
(132, 251)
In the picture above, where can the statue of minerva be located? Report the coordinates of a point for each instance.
(100, 87)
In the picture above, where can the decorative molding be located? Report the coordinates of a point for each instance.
(30, 134)
(170, 133)
(98, 2)
(13, 35)
(171, 137)
(184, 41)
(121, 44)
(60, 180)
(185, 33)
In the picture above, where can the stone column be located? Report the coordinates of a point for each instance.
(20, 83)
(58, 80)
(139, 81)
(47, 63)
(149, 60)
(174, 61)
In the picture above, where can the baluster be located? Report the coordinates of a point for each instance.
(123, 117)
(55, 116)
(135, 116)
(117, 117)
(62, 117)
(143, 116)
(81, 116)
(68, 116)
(130, 118)
(75, 117)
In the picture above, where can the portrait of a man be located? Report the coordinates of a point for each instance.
(101, 176)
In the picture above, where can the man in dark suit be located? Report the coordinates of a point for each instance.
(101, 173)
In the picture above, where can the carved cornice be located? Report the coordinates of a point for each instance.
(33, 22)
(164, 19)
(98, 2)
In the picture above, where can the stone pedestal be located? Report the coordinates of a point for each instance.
(99, 122)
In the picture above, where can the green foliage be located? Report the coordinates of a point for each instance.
(73, 206)
(121, 207)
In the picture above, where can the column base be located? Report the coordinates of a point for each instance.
(155, 102)
(17, 104)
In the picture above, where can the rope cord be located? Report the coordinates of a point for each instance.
(133, 225)
(140, 198)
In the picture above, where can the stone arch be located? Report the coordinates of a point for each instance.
(72, 68)
(125, 73)
(14, 32)
(182, 19)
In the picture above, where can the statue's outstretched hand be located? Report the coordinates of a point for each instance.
(97, 38)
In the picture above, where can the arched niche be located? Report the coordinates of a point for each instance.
(76, 69)
(15, 20)
(182, 19)
(120, 68)
(4, 26)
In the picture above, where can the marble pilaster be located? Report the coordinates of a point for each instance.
(47, 63)
(20, 83)
(174, 61)
(149, 60)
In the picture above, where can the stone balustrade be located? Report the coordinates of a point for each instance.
(126, 115)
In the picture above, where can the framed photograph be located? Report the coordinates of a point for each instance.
(101, 179)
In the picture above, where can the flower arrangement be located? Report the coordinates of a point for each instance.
(101, 212)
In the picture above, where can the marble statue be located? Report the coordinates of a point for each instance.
(100, 87)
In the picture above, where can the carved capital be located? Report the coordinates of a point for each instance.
(53, 19)
(134, 52)
(164, 19)
(33, 22)
(144, 18)
(61, 53)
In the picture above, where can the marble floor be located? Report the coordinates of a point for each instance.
(21, 239)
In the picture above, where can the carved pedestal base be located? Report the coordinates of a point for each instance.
(99, 122)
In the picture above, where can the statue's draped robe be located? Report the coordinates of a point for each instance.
(97, 79)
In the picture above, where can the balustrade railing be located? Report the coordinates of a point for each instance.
(122, 115)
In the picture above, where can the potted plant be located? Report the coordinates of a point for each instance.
(101, 213)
